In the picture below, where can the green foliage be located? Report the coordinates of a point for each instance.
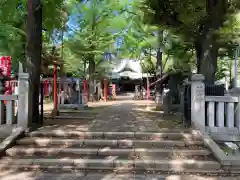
(13, 24)
(205, 25)
(100, 23)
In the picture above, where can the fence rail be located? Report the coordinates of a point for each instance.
(8, 109)
(11, 113)
(222, 113)
(214, 114)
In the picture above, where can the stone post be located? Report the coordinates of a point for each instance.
(198, 102)
(23, 100)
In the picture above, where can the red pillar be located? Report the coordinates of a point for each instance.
(85, 90)
(148, 89)
(105, 83)
(55, 98)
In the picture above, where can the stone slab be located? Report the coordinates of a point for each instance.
(35, 141)
(10, 140)
(94, 163)
(8, 161)
(225, 160)
(53, 162)
(101, 142)
(79, 151)
(158, 143)
(115, 152)
(26, 151)
(182, 165)
(119, 135)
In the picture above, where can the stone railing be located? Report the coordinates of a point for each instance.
(14, 108)
(213, 114)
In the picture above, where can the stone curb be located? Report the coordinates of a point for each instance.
(76, 111)
(64, 133)
(73, 117)
(103, 151)
(112, 143)
(160, 165)
(125, 176)
(10, 140)
(225, 160)
(23, 151)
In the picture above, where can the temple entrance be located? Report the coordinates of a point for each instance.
(128, 85)
(127, 75)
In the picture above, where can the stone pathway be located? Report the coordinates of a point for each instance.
(121, 138)
(123, 116)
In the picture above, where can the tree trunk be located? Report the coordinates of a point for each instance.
(206, 46)
(207, 52)
(159, 69)
(91, 70)
(34, 50)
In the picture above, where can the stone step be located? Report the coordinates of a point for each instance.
(117, 176)
(111, 143)
(76, 114)
(25, 151)
(73, 111)
(111, 164)
(79, 117)
(115, 135)
(71, 127)
(83, 114)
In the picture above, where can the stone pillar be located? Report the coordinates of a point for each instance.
(23, 100)
(198, 102)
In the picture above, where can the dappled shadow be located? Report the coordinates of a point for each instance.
(121, 116)
(135, 167)
(163, 120)
(80, 124)
(126, 115)
(34, 175)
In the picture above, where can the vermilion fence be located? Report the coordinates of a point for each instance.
(63, 86)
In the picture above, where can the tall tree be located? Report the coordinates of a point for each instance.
(97, 28)
(34, 55)
(197, 22)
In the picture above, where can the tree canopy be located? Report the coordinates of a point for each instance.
(196, 33)
(200, 24)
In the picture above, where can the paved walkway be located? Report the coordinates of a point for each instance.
(122, 115)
